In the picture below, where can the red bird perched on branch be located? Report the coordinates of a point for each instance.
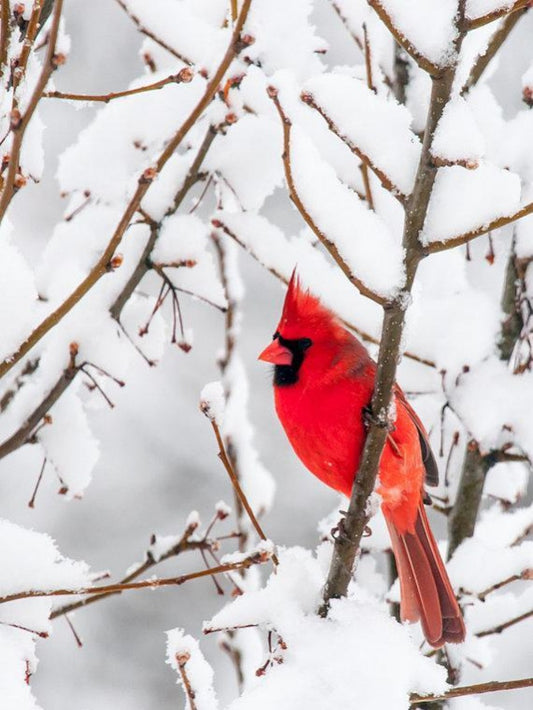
(323, 385)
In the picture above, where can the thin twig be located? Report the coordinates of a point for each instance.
(324, 239)
(223, 456)
(103, 264)
(490, 687)
(525, 574)
(184, 544)
(507, 624)
(182, 77)
(31, 503)
(253, 559)
(148, 33)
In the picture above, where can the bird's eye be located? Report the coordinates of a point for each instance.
(305, 343)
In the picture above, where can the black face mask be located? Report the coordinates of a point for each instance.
(288, 374)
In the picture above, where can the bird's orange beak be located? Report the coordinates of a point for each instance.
(276, 354)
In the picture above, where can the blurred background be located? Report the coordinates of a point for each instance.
(158, 456)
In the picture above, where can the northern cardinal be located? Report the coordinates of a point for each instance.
(323, 384)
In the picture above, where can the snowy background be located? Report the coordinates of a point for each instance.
(157, 455)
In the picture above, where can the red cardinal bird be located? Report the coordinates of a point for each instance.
(323, 384)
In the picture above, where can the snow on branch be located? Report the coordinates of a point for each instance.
(375, 129)
(195, 675)
(408, 24)
(312, 183)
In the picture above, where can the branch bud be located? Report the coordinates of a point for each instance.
(116, 262)
(15, 119)
(148, 175)
(185, 76)
(59, 59)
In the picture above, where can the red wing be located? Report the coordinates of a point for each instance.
(432, 470)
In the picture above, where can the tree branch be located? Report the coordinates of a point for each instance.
(358, 515)
(491, 687)
(182, 77)
(324, 239)
(103, 264)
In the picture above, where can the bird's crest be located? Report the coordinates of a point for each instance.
(303, 313)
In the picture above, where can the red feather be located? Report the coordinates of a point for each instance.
(320, 400)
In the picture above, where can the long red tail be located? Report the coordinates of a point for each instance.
(426, 592)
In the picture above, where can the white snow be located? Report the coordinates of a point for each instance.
(463, 200)
(457, 136)
(312, 671)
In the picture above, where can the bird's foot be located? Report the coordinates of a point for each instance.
(339, 531)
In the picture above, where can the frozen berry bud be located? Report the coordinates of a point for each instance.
(73, 349)
(47, 419)
(272, 92)
(184, 345)
(116, 261)
(222, 510)
(231, 118)
(247, 40)
(18, 9)
(527, 95)
(182, 657)
(19, 181)
(185, 76)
